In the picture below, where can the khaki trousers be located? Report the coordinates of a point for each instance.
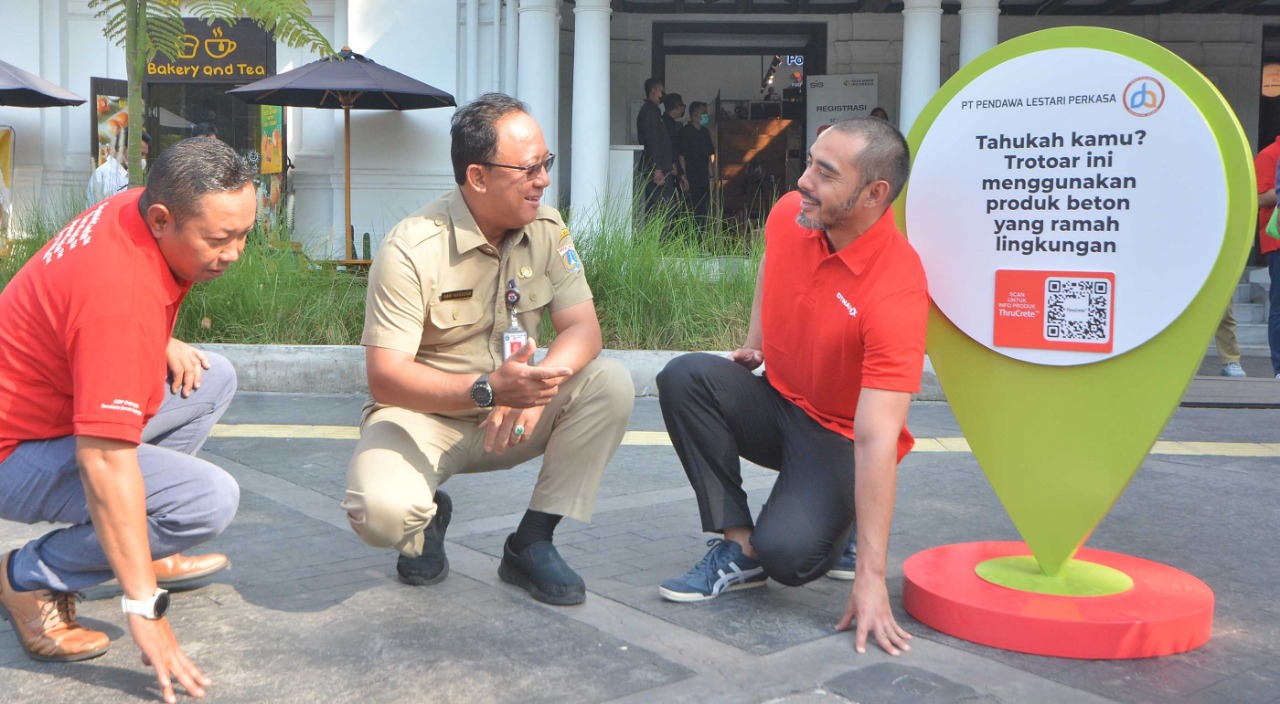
(403, 455)
(1225, 338)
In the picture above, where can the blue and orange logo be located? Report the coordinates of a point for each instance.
(1143, 96)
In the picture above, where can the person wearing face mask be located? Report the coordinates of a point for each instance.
(112, 176)
(675, 108)
(656, 162)
(696, 151)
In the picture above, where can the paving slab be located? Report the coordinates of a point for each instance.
(308, 613)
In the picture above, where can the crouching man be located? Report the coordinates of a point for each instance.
(91, 433)
(454, 292)
(839, 320)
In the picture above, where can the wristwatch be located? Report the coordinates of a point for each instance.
(151, 609)
(481, 392)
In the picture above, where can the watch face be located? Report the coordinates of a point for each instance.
(482, 393)
(162, 603)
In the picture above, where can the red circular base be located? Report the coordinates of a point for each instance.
(1167, 611)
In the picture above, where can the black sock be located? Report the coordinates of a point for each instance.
(9, 569)
(536, 526)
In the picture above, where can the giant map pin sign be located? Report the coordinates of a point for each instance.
(1083, 202)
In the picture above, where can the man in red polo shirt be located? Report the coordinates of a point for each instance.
(91, 435)
(839, 316)
(1264, 166)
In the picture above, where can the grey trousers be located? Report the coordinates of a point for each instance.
(716, 411)
(189, 500)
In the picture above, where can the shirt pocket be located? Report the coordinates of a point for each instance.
(535, 295)
(453, 322)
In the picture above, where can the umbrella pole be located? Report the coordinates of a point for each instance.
(347, 235)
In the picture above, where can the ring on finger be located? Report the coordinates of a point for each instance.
(519, 431)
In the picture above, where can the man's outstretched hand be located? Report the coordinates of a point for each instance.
(869, 607)
(160, 650)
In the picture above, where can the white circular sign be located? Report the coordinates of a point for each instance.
(1068, 205)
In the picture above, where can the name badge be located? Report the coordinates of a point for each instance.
(455, 295)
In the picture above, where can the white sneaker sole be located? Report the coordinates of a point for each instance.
(842, 575)
(693, 597)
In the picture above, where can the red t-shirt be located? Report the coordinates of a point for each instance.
(86, 323)
(836, 323)
(1264, 166)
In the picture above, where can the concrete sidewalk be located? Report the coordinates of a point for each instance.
(310, 614)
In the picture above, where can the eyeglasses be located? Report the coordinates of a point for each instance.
(530, 171)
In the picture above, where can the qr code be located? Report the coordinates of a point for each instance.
(1077, 310)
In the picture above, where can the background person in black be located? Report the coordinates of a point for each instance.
(674, 106)
(655, 161)
(696, 149)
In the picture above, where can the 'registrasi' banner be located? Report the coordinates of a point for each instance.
(832, 98)
(1056, 218)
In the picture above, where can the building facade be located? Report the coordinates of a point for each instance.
(580, 66)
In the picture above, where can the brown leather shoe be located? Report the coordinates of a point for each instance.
(177, 570)
(45, 623)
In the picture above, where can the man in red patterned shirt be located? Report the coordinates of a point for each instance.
(92, 436)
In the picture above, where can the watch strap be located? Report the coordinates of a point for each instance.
(146, 608)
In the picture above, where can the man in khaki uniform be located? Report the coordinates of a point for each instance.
(443, 288)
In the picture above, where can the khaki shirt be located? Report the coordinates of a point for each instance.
(437, 288)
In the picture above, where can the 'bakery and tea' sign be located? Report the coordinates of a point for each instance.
(217, 53)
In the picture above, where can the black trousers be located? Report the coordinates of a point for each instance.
(657, 196)
(699, 199)
(716, 411)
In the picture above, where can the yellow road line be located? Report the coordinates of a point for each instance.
(309, 432)
(658, 438)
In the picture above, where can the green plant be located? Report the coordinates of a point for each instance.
(274, 295)
(662, 282)
(670, 283)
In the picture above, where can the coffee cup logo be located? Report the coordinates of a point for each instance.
(217, 47)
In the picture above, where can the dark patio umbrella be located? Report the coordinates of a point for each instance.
(21, 89)
(348, 82)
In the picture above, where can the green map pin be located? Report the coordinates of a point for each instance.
(1084, 202)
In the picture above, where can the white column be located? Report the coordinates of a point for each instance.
(979, 27)
(471, 63)
(511, 43)
(536, 79)
(921, 57)
(495, 48)
(590, 128)
(342, 26)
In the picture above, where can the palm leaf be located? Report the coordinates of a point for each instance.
(288, 19)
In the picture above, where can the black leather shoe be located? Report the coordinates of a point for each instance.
(539, 570)
(431, 567)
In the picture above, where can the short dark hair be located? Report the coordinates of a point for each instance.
(146, 137)
(191, 169)
(884, 156)
(474, 131)
(696, 106)
(650, 84)
(204, 129)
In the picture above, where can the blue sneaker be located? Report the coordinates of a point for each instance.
(724, 568)
(844, 567)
